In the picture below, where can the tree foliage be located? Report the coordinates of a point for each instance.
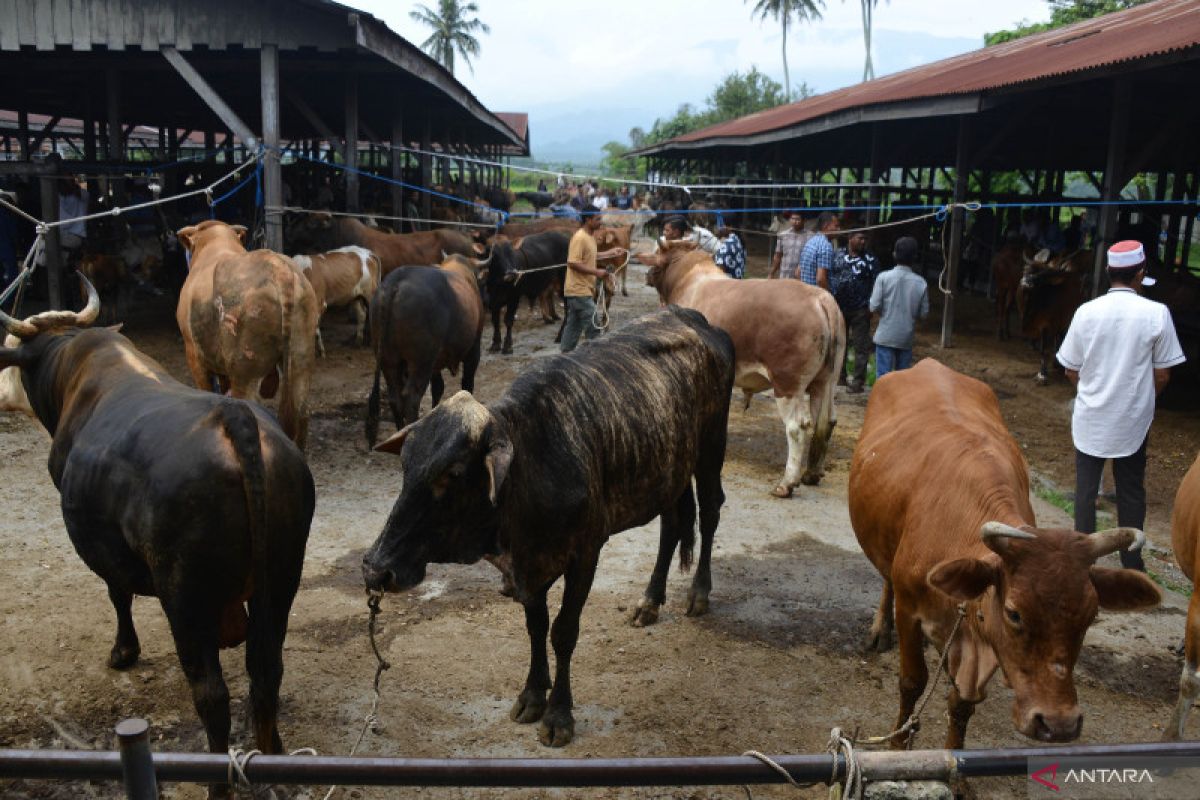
(783, 12)
(453, 31)
(1062, 13)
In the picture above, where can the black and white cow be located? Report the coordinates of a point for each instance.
(547, 474)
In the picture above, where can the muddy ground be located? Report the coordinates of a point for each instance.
(773, 667)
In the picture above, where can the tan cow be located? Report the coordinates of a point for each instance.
(939, 501)
(607, 238)
(320, 233)
(788, 337)
(348, 275)
(1185, 540)
(249, 321)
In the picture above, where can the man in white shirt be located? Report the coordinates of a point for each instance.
(1118, 354)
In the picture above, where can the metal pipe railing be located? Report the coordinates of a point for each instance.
(143, 766)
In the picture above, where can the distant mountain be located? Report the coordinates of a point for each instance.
(565, 133)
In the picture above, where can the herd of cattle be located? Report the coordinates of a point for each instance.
(539, 480)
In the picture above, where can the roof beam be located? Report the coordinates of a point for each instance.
(209, 95)
(41, 137)
(310, 115)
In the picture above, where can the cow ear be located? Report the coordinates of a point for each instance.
(186, 236)
(478, 249)
(115, 328)
(1124, 589)
(497, 461)
(396, 441)
(962, 578)
(241, 231)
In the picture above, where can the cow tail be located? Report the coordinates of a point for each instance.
(385, 306)
(687, 540)
(241, 428)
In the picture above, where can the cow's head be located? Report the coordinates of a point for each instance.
(455, 463)
(1032, 600)
(195, 238)
(660, 262)
(312, 233)
(26, 343)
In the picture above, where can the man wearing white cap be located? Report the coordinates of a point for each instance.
(1118, 354)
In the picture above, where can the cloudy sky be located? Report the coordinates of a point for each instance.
(587, 72)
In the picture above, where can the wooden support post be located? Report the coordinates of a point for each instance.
(53, 252)
(962, 172)
(426, 172)
(1114, 175)
(272, 174)
(397, 165)
(1190, 226)
(350, 156)
(23, 134)
(115, 147)
(873, 194)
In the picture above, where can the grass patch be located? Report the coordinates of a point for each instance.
(1054, 498)
(1167, 583)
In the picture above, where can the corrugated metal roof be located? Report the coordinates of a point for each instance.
(1149, 30)
(517, 120)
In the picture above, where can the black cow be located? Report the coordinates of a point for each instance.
(508, 279)
(423, 320)
(539, 200)
(548, 473)
(168, 491)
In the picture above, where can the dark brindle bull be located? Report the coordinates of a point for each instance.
(520, 270)
(1050, 291)
(168, 491)
(547, 474)
(423, 320)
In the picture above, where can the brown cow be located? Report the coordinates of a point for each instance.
(939, 501)
(247, 320)
(106, 273)
(1185, 540)
(1051, 289)
(348, 275)
(322, 233)
(606, 239)
(788, 336)
(1007, 266)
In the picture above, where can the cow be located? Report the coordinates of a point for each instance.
(107, 273)
(1185, 541)
(539, 200)
(167, 491)
(489, 480)
(320, 233)
(525, 268)
(249, 322)
(1050, 291)
(608, 238)
(346, 276)
(939, 501)
(423, 320)
(1007, 269)
(788, 336)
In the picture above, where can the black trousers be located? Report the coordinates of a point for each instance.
(1130, 475)
(858, 326)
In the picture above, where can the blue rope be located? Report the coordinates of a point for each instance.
(254, 176)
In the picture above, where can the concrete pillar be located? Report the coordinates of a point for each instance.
(272, 175)
(351, 151)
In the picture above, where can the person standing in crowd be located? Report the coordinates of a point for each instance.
(623, 199)
(600, 201)
(816, 259)
(731, 255)
(1118, 354)
(677, 228)
(852, 279)
(900, 297)
(580, 284)
(786, 261)
(541, 187)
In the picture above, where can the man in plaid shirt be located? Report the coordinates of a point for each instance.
(816, 260)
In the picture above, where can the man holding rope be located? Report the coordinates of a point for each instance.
(580, 284)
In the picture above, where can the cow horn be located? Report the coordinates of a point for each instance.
(18, 327)
(92, 310)
(487, 260)
(1114, 539)
(994, 535)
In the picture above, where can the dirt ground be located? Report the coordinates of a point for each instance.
(774, 666)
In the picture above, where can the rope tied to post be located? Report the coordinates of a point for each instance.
(853, 787)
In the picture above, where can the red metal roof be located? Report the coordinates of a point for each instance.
(1148, 30)
(517, 120)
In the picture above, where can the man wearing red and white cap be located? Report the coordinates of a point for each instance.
(1118, 354)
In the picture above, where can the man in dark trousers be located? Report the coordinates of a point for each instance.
(851, 280)
(1118, 355)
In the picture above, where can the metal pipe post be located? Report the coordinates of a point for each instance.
(137, 763)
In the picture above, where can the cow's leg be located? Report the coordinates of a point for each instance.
(671, 531)
(710, 497)
(558, 725)
(418, 380)
(360, 322)
(914, 673)
(395, 389)
(269, 608)
(470, 365)
(797, 424)
(495, 348)
(881, 626)
(437, 387)
(960, 711)
(531, 703)
(510, 315)
(1044, 341)
(320, 343)
(1189, 681)
(824, 416)
(126, 649)
(200, 373)
(624, 281)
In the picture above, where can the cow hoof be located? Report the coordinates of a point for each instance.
(530, 707)
(645, 614)
(495, 348)
(697, 604)
(506, 350)
(123, 657)
(782, 491)
(880, 642)
(557, 728)
(1041, 379)
(811, 478)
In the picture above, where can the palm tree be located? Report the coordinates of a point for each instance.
(452, 31)
(868, 15)
(784, 11)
